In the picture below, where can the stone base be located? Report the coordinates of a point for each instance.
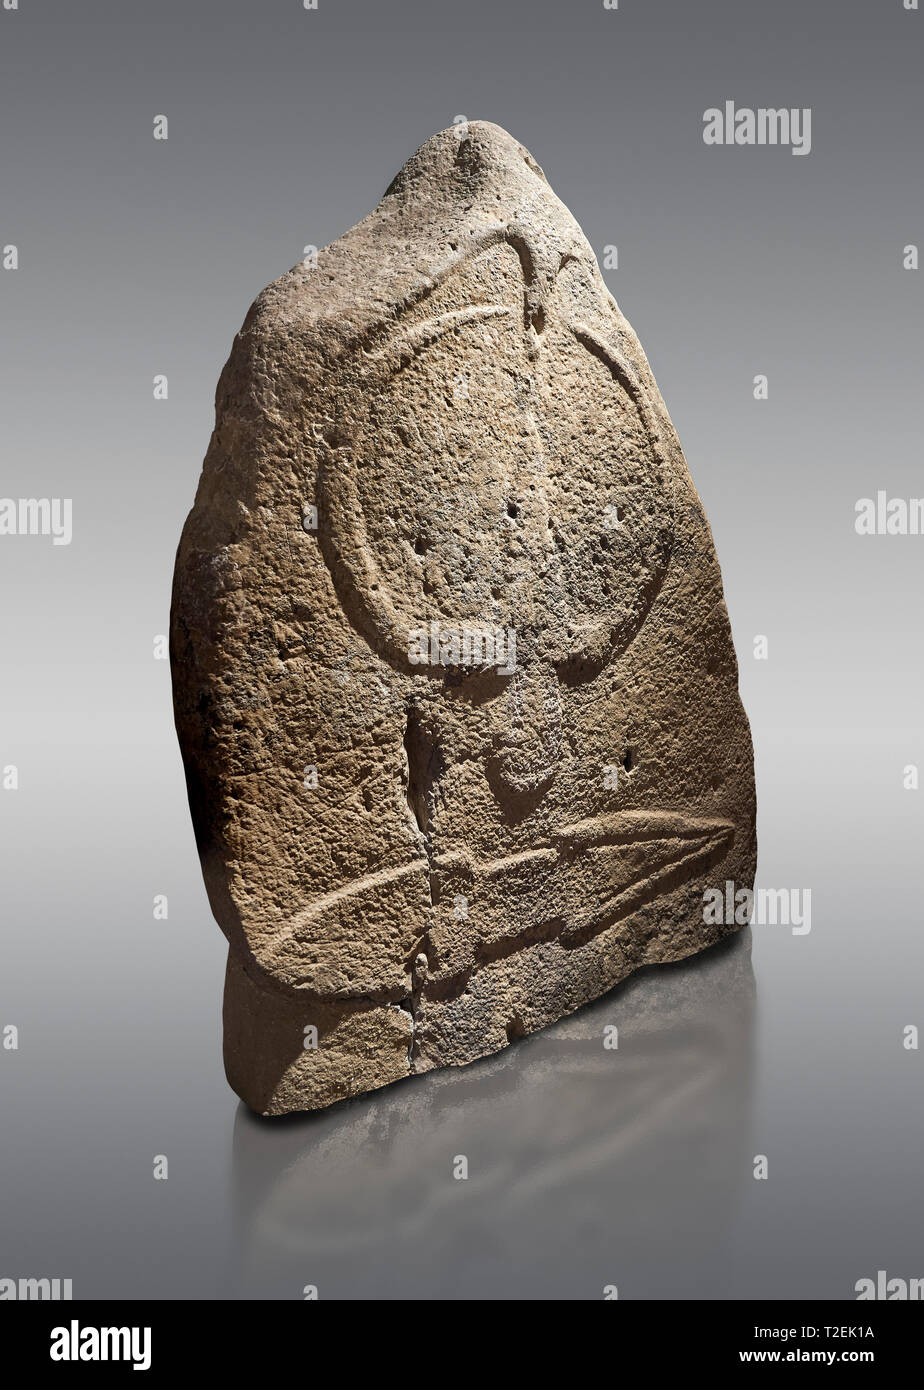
(362, 1047)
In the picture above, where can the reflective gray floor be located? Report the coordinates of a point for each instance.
(580, 1160)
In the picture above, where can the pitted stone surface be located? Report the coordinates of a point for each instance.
(453, 675)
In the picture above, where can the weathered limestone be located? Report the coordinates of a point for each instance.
(453, 676)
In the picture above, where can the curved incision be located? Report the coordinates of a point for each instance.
(582, 881)
(575, 631)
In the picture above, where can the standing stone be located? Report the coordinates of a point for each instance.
(453, 676)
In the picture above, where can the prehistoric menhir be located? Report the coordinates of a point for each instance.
(453, 676)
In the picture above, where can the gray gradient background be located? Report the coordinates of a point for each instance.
(140, 257)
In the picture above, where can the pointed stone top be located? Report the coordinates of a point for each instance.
(469, 151)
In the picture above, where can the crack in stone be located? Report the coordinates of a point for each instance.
(424, 763)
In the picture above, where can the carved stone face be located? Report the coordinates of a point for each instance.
(503, 655)
(501, 469)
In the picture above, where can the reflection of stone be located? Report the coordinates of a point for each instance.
(587, 1166)
(580, 798)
